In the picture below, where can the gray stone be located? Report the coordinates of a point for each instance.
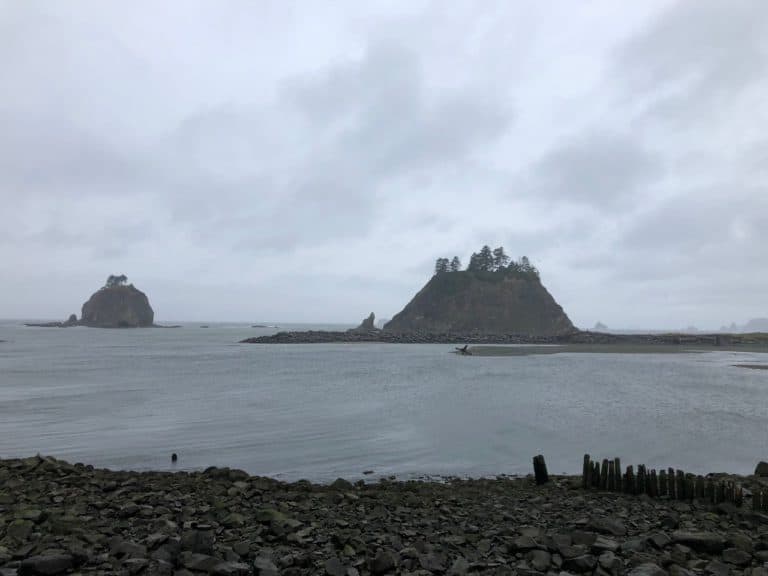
(265, 567)
(717, 568)
(737, 557)
(660, 540)
(234, 520)
(700, 541)
(334, 567)
(762, 556)
(524, 543)
(460, 567)
(231, 569)
(383, 562)
(580, 564)
(761, 469)
(198, 541)
(123, 549)
(341, 484)
(573, 551)
(19, 530)
(611, 526)
(135, 565)
(580, 537)
(46, 565)
(647, 569)
(602, 544)
(609, 561)
(741, 541)
(432, 562)
(676, 570)
(539, 560)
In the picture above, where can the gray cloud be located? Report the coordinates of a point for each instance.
(696, 57)
(599, 169)
(341, 139)
(314, 165)
(47, 155)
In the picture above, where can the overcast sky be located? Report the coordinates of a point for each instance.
(308, 161)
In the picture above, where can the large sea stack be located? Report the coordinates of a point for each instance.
(117, 305)
(503, 301)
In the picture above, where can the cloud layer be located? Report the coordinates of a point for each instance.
(247, 162)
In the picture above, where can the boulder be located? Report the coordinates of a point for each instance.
(761, 469)
(700, 541)
(46, 565)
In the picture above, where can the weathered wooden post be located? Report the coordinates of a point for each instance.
(680, 481)
(699, 488)
(611, 476)
(738, 495)
(629, 484)
(663, 483)
(540, 470)
(671, 482)
(604, 474)
(587, 472)
(617, 470)
(653, 486)
(640, 479)
(756, 500)
(720, 492)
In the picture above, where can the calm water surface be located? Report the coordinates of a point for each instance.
(129, 398)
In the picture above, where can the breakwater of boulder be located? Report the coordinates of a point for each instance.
(578, 337)
(58, 518)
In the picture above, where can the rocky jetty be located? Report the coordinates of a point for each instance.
(71, 321)
(58, 518)
(575, 337)
(117, 305)
(484, 302)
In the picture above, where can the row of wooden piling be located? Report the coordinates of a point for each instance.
(670, 483)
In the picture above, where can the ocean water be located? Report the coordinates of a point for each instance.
(127, 399)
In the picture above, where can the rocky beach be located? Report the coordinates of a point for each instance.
(58, 518)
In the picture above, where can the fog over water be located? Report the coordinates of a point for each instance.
(129, 398)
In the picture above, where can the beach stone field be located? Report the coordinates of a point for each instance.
(60, 518)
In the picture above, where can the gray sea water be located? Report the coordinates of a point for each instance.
(127, 399)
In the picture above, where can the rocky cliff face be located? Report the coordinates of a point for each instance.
(118, 307)
(485, 303)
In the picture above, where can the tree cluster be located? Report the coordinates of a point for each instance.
(487, 260)
(443, 265)
(114, 281)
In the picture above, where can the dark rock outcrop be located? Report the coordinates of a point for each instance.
(367, 325)
(71, 321)
(118, 307)
(485, 303)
